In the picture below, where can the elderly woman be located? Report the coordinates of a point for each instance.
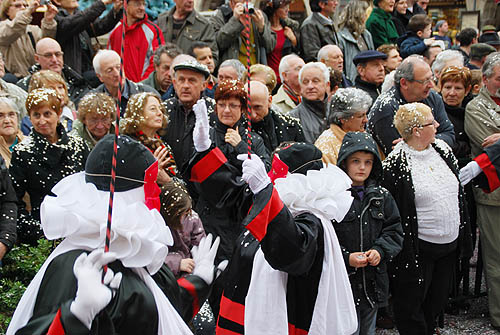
(43, 159)
(18, 37)
(96, 113)
(422, 175)
(446, 58)
(353, 36)
(286, 31)
(143, 120)
(348, 108)
(10, 134)
(393, 58)
(53, 80)
(380, 23)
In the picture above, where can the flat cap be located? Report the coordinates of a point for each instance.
(488, 28)
(479, 50)
(193, 66)
(368, 55)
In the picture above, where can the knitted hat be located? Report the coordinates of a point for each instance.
(132, 162)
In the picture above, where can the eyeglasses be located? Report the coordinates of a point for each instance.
(94, 121)
(424, 82)
(432, 123)
(51, 54)
(20, 5)
(232, 107)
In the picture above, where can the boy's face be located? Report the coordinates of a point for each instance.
(427, 32)
(359, 166)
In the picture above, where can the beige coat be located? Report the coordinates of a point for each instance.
(482, 118)
(15, 42)
(329, 143)
(4, 148)
(283, 101)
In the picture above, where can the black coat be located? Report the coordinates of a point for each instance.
(8, 207)
(220, 215)
(36, 167)
(400, 22)
(398, 180)
(461, 147)
(74, 33)
(372, 89)
(277, 128)
(373, 222)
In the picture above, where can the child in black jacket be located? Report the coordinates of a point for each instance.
(370, 234)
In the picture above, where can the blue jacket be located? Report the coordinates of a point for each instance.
(410, 44)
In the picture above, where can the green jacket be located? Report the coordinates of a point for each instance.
(381, 27)
(79, 130)
(195, 28)
(482, 118)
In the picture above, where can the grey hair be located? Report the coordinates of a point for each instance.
(9, 103)
(171, 50)
(322, 67)
(492, 60)
(235, 64)
(406, 69)
(284, 66)
(346, 102)
(96, 62)
(443, 57)
(323, 52)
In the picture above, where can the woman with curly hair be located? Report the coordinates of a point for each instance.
(353, 36)
(143, 120)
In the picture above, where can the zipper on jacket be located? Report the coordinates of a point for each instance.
(372, 304)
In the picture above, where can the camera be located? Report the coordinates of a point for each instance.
(251, 8)
(44, 2)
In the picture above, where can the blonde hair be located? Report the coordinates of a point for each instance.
(270, 76)
(410, 116)
(134, 114)
(96, 103)
(44, 78)
(4, 8)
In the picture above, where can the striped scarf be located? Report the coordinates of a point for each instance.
(295, 98)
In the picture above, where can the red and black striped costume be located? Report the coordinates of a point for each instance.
(489, 162)
(290, 244)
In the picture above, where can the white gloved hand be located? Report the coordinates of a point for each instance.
(469, 172)
(204, 257)
(92, 295)
(201, 136)
(254, 173)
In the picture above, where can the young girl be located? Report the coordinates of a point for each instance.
(185, 225)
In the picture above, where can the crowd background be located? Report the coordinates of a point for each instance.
(430, 101)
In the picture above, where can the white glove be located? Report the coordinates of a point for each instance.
(92, 295)
(254, 173)
(469, 172)
(201, 136)
(204, 256)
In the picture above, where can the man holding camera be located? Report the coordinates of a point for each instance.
(229, 25)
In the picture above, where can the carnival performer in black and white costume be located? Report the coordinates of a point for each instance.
(287, 274)
(140, 295)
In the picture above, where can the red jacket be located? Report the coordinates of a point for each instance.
(141, 40)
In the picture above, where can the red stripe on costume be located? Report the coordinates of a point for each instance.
(232, 311)
(186, 284)
(258, 226)
(295, 331)
(207, 165)
(56, 327)
(489, 170)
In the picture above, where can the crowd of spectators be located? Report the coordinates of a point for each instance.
(425, 106)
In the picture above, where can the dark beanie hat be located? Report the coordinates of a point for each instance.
(132, 161)
(301, 157)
